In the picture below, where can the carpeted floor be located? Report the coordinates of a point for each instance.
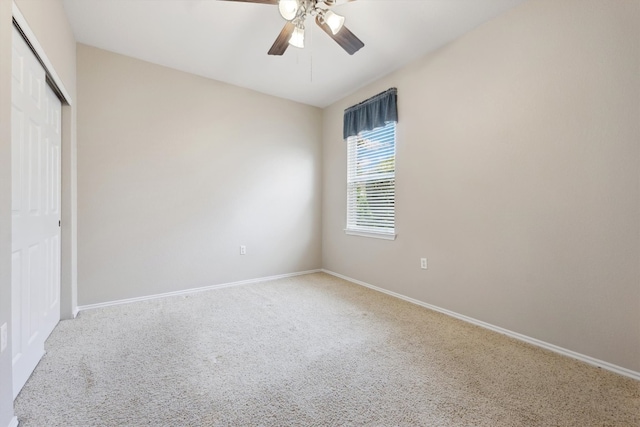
(307, 351)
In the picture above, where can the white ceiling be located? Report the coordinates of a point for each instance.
(228, 41)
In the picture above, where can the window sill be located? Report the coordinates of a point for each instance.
(372, 234)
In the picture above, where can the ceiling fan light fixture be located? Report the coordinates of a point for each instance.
(288, 9)
(297, 38)
(334, 21)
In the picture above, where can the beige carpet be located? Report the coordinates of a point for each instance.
(307, 351)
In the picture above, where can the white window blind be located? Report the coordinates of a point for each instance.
(371, 179)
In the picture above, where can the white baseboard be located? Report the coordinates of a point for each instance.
(193, 290)
(583, 358)
(13, 422)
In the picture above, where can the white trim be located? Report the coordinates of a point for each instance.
(373, 234)
(193, 290)
(39, 50)
(538, 343)
(13, 422)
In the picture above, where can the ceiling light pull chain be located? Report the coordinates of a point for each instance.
(311, 57)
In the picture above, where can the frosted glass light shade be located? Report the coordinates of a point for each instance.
(297, 38)
(334, 21)
(288, 9)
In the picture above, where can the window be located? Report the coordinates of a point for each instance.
(370, 132)
(371, 178)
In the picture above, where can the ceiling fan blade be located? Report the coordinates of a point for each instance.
(256, 1)
(336, 2)
(282, 42)
(345, 38)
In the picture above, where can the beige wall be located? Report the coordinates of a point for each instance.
(176, 171)
(517, 177)
(48, 22)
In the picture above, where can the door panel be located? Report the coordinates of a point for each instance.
(16, 304)
(36, 141)
(31, 294)
(34, 156)
(52, 186)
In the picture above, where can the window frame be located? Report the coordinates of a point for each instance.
(380, 232)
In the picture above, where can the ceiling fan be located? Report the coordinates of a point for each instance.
(296, 12)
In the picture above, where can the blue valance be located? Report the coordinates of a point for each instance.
(375, 112)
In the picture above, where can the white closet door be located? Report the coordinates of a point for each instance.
(51, 236)
(35, 180)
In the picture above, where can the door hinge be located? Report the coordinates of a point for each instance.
(58, 223)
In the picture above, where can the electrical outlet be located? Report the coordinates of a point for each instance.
(3, 337)
(423, 263)
(243, 250)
